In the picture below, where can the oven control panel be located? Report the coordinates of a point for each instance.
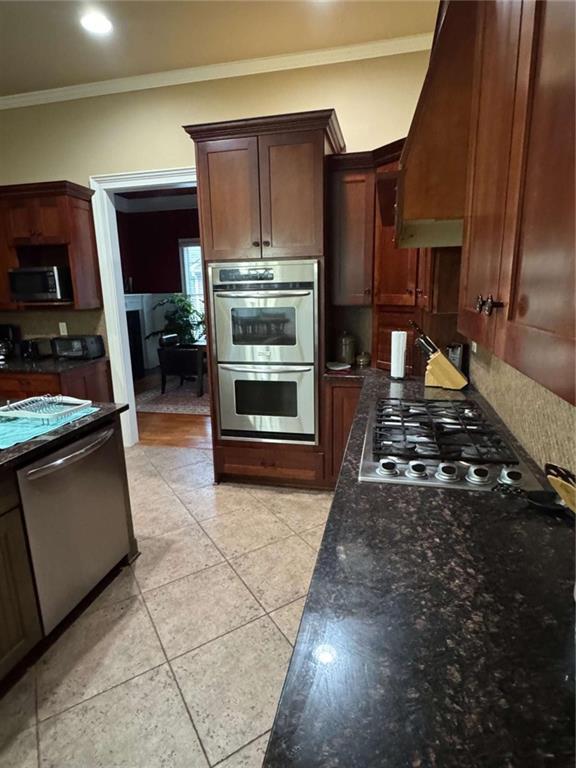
(250, 275)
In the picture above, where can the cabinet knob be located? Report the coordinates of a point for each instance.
(266, 243)
(410, 290)
(256, 243)
(480, 301)
(490, 305)
(419, 291)
(367, 291)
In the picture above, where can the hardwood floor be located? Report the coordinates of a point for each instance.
(177, 429)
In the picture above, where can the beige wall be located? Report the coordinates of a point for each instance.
(374, 100)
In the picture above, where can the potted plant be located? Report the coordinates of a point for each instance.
(183, 319)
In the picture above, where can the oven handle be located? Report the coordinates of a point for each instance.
(265, 369)
(261, 294)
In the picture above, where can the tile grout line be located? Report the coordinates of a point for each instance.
(195, 729)
(38, 755)
(236, 751)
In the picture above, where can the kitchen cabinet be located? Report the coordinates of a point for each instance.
(269, 463)
(49, 224)
(351, 228)
(90, 381)
(19, 616)
(340, 402)
(432, 179)
(261, 185)
(517, 288)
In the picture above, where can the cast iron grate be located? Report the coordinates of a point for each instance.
(447, 430)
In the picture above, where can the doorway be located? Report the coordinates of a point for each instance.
(113, 284)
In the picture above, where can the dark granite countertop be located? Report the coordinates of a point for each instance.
(24, 453)
(438, 631)
(357, 374)
(44, 365)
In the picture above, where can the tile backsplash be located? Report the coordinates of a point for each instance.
(543, 423)
(45, 322)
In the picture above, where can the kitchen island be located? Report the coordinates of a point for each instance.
(438, 630)
(65, 522)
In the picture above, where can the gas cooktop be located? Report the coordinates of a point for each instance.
(439, 443)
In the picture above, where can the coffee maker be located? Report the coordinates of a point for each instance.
(10, 337)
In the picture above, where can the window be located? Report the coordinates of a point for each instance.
(191, 268)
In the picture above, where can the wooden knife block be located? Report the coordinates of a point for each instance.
(440, 372)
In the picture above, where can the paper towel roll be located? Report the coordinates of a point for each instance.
(398, 361)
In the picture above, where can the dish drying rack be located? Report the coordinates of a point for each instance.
(44, 409)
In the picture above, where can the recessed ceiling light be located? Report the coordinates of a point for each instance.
(96, 23)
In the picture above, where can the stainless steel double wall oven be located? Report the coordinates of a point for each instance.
(265, 343)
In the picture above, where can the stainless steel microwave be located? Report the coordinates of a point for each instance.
(40, 284)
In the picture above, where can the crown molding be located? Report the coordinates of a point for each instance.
(372, 50)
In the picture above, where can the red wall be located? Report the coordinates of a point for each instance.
(149, 248)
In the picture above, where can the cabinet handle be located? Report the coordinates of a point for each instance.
(419, 291)
(410, 290)
(480, 301)
(266, 243)
(367, 291)
(490, 305)
(256, 243)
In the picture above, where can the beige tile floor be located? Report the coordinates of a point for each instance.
(181, 659)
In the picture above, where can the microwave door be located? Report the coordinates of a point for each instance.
(265, 326)
(267, 402)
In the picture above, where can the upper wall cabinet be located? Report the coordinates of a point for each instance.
(261, 185)
(50, 224)
(517, 286)
(432, 180)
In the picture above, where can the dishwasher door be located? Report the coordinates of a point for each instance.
(75, 509)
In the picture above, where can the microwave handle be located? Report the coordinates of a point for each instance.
(265, 368)
(261, 294)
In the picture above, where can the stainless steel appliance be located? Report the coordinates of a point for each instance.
(265, 335)
(35, 349)
(75, 510)
(439, 443)
(40, 284)
(266, 312)
(78, 347)
(276, 402)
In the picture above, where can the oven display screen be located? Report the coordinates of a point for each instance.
(266, 398)
(264, 326)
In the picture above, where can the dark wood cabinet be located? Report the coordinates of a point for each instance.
(90, 382)
(269, 463)
(395, 271)
(261, 185)
(351, 229)
(229, 199)
(517, 288)
(340, 398)
(50, 224)
(20, 621)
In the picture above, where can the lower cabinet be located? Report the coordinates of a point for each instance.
(271, 462)
(19, 618)
(90, 382)
(340, 401)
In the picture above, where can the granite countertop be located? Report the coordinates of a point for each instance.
(438, 631)
(24, 453)
(44, 365)
(355, 373)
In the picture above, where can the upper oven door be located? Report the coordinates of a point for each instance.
(265, 326)
(267, 402)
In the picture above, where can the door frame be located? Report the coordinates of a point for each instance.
(106, 228)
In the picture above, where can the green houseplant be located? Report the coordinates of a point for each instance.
(182, 319)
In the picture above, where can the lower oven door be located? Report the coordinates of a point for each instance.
(267, 402)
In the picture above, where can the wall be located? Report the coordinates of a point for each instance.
(149, 248)
(543, 423)
(45, 322)
(374, 100)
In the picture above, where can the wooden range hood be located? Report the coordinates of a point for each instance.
(432, 176)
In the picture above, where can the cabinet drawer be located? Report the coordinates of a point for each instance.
(270, 462)
(25, 385)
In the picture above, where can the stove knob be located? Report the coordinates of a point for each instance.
(416, 469)
(388, 467)
(510, 476)
(447, 472)
(478, 475)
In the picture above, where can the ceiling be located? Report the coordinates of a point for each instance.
(42, 44)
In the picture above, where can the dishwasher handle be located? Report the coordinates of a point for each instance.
(72, 458)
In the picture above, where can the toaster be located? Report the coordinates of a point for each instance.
(78, 347)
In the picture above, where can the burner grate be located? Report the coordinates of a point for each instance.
(446, 430)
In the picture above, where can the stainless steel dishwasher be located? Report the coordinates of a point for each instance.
(75, 509)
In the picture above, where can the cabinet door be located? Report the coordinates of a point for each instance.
(535, 329)
(51, 220)
(490, 143)
(229, 199)
(292, 194)
(424, 280)
(344, 402)
(18, 613)
(395, 271)
(352, 237)
(20, 221)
